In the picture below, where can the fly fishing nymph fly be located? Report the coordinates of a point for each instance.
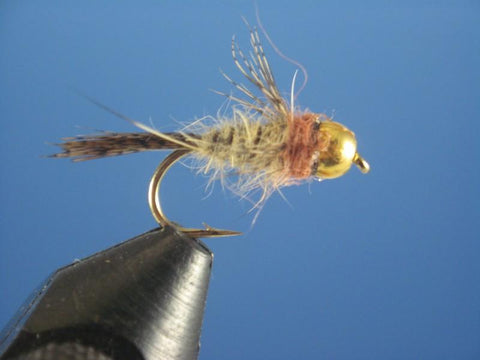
(266, 141)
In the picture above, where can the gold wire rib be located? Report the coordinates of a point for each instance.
(156, 207)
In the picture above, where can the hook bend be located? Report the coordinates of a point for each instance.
(156, 206)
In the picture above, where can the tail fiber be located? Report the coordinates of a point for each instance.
(89, 147)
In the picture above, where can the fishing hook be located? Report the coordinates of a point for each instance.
(156, 206)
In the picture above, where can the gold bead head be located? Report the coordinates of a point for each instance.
(337, 151)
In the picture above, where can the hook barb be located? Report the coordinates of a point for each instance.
(156, 207)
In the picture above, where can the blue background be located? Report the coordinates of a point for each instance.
(377, 266)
